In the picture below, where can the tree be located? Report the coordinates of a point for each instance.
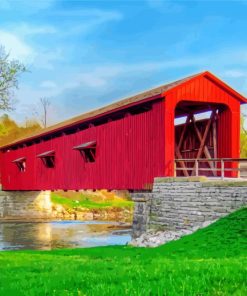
(9, 74)
(11, 131)
(43, 104)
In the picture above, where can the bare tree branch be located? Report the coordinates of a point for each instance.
(41, 111)
(45, 103)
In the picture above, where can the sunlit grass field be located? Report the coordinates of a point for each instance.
(79, 200)
(212, 261)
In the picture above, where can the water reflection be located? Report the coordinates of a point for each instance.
(61, 234)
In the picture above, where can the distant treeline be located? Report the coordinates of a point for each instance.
(11, 131)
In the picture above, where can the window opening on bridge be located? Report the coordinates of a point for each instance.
(87, 151)
(20, 163)
(48, 158)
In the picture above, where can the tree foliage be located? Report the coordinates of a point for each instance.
(9, 74)
(11, 131)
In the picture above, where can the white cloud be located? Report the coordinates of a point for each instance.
(88, 20)
(101, 14)
(26, 29)
(101, 76)
(235, 73)
(231, 56)
(17, 47)
(45, 58)
(17, 37)
(48, 84)
(91, 80)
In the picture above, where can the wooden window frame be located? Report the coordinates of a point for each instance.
(87, 151)
(21, 164)
(48, 159)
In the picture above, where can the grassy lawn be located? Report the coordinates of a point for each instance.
(212, 261)
(79, 200)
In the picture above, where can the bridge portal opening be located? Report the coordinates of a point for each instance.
(197, 138)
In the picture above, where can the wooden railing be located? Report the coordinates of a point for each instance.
(219, 167)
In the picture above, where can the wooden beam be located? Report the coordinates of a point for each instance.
(183, 132)
(182, 164)
(215, 137)
(204, 137)
(205, 148)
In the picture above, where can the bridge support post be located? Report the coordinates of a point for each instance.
(25, 205)
(141, 213)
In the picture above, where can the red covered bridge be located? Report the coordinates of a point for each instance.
(126, 144)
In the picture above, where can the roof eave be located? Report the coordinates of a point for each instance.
(210, 76)
(240, 97)
(55, 130)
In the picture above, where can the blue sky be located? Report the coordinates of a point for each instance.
(85, 54)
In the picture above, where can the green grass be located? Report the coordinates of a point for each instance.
(212, 261)
(82, 201)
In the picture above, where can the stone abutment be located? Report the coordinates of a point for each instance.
(25, 205)
(186, 203)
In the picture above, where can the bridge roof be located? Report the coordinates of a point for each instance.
(149, 95)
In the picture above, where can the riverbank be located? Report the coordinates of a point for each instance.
(84, 205)
(91, 205)
(211, 261)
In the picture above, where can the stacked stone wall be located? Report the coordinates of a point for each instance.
(186, 203)
(25, 205)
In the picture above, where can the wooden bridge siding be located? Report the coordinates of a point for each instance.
(130, 153)
(203, 89)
